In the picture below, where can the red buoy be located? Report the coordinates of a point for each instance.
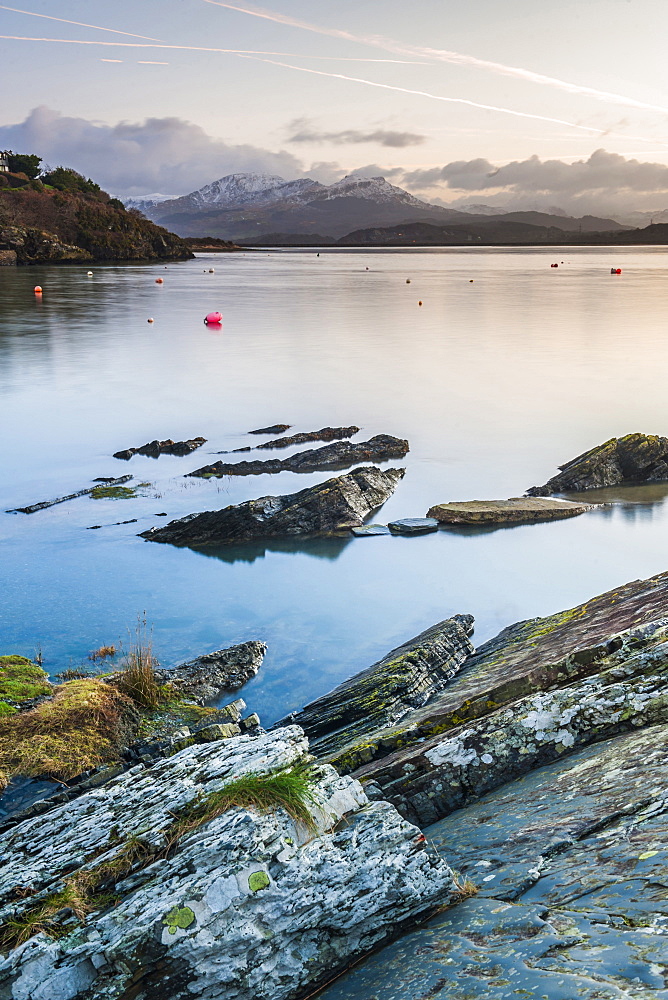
(213, 317)
(159, 281)
(37, 289)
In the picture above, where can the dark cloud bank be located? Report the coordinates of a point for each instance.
(173, 156)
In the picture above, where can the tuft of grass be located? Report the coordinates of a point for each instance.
(113, 493)
(85, 724)
(21, 679)
(465, 888)
(102, 653)
(136, 679)
(289, 790)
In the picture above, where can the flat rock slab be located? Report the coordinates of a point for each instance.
(335, 505)
(338, 455)
(413, 526)
(571, 866)
(206, 677)
(634, 458)
(370, 529)
(517, 509)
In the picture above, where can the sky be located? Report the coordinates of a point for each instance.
(518, 103)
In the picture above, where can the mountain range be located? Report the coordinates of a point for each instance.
(261, 207)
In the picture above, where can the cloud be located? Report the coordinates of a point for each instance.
(167, 155)
(304, 132)
(604, 181)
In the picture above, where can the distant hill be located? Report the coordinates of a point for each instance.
(244, 207)
(66, 217)
(263, 208)
(491, 231)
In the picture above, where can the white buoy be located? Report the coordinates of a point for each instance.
(90, 274)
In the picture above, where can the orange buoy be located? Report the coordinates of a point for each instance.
(150, 319)
(420, 302)
(408, 281)
(37, 289)
(159, 281)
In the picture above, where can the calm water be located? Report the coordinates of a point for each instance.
(494, 383)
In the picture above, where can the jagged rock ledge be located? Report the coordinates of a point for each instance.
(634, 458)
(338, 455)
(153, 449)
(335, 505)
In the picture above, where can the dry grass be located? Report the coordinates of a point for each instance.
(102, 653)
(82, 726)
(136, 679)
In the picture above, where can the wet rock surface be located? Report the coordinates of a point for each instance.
(335, 505)
(324, 434)
(246, 905)
(153, 449)
(206, 677)
(633, 458)
(370, 529)
(388, 690)
(338, 455)
(517, 509)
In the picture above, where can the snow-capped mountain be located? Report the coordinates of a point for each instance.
(241, 206)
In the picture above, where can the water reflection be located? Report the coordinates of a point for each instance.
(330, 548)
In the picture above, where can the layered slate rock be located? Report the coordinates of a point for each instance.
(634, 458)
(620, 686)
(206, 677)
(248, 905)
(515, 510)
(168, 447)
(389, 689)
(523, 660)
(324, 434)
(339, 455)
(335, 505)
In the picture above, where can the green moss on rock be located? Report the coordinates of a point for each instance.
(21, 680)
(258, 880)
(179, 918)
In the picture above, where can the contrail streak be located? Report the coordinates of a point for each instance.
(199, 48)
(444, 55)
(433, 97)
(80, 24)
(259, 54)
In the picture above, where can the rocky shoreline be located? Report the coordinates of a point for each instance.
(432, 736)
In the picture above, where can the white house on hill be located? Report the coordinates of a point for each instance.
(4, 164)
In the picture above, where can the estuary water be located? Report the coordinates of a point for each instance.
(508, 369)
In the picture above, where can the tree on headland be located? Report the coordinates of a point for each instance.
(23, 163)
(66, 179)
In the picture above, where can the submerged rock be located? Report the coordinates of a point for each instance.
(413, 526)
(324, 434)
(332, 506)
(331, 456)
(246, 904)
(90, 490)
(389, 689)
(370, 529)
(517, 509)
(206, 677)
(634, 458)
(156, 448)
